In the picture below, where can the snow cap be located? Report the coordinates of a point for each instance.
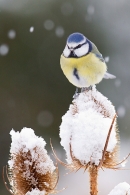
(32, 170)
(84, 130)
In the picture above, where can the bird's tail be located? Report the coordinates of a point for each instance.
(109, 76)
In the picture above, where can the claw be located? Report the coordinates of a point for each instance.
(76, 93)
(86, 89)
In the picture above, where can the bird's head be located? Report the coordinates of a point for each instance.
(77, 45)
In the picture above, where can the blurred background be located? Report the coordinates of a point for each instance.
(34, 92)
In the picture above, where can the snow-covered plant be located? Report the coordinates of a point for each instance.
(121, 189)
(31, 171)
(89, 134)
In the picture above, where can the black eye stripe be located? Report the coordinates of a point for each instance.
(80, 45)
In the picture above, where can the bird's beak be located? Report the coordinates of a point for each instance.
(71, 49)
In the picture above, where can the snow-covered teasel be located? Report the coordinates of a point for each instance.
(84, 131)
(89, 135)
(121, 189)
(31, 171)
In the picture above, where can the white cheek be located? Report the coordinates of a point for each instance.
(82, 50)
(66, 52)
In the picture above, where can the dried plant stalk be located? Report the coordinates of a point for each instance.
(93, 172)
(89, 135)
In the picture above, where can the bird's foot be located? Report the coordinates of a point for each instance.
(86, 89)
(76, 93)
(83, 89)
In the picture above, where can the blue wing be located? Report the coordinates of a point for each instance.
(96, 52)
(99, 55)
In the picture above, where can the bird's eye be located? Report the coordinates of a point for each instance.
(78, 46)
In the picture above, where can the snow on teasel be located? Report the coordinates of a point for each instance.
(36, 192)
(84, 130)
(31, 171)
(121, 189)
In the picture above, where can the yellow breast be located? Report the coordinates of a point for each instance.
(89, 69)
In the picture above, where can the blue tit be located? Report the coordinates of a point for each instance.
(82, 63)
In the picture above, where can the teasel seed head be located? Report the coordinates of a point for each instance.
(31, 171)
(84, 130)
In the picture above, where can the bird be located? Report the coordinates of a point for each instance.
(82, 63)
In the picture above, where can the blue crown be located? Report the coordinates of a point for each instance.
(75, 38)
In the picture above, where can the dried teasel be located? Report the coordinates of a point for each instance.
(89, 135)
(84, 130)
(31, 171)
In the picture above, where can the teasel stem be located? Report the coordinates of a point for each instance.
(107, 141)
(93, 173)
(93, 169)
